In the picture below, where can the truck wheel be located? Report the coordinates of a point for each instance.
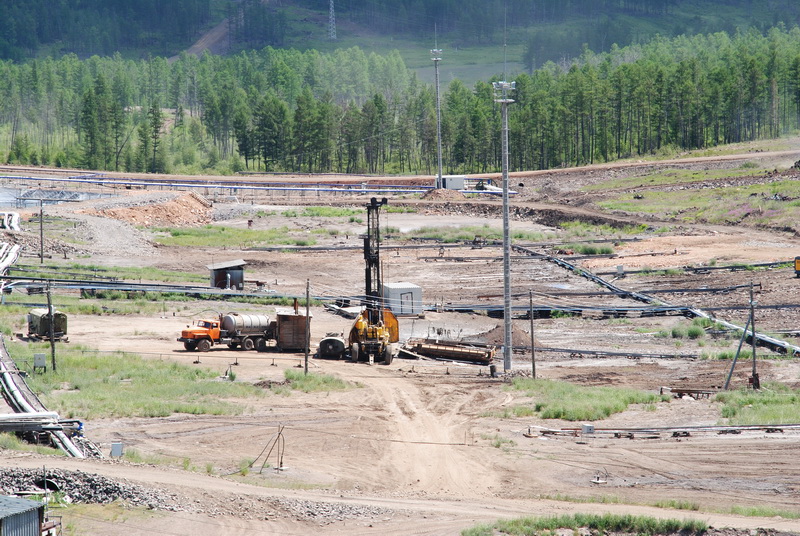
(387, 355)
(354, 352)
(233, 345)
(259, 343)
(247, 344)
(204, 345)
(190, 346)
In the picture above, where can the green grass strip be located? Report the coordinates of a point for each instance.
(773, 404)
(603, 524)
(91, 385)
(562, 400)
(216, 235)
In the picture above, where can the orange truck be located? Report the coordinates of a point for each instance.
(235, 330)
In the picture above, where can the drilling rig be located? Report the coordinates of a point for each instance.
(375, 328)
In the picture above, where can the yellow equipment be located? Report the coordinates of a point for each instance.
(375, 328)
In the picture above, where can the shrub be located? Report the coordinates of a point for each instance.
(695, 332)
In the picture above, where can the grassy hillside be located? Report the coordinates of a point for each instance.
(529, 46)
(471, 33)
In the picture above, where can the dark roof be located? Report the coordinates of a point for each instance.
(227, 264)
(10, 506)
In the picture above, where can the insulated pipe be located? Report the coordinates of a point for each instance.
(17, 397)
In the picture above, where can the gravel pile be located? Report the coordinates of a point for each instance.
(330, 512)
(85, 488)
(80, 487)
(137, 200)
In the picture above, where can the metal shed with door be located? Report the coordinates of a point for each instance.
(20, 517)
(228, 275)
(403, 299)
(290, 331)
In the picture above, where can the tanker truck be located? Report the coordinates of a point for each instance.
(233, 329)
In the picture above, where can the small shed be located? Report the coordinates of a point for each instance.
(403, 299)
(228, 275)
(453, 182)
(290, 330)
(20, 517)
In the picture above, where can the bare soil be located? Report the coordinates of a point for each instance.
(419, 447)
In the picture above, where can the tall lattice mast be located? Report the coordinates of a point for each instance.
(332, 24)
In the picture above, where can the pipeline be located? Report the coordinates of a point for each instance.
(20, 404)
(764, 340)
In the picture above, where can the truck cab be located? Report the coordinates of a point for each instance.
(201, 336)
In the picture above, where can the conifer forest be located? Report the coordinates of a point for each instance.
(352, 110)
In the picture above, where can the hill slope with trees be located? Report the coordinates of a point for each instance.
(349, 111)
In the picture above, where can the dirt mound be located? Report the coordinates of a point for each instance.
(183, 211)
(496, 336)
(442, 194)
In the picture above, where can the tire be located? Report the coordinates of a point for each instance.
(190, 346)
(247, 344)
(354, 352)
(204, 345)
(233, 345)
(387, 354)
(259, 343)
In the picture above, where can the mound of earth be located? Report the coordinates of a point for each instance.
(496, 336)
(181, 211)
(442, 194)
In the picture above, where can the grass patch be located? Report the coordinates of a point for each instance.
(232, 237)
(499, 442)
(469, 232)
(672, 176)
(678, 333)
(585, 249)
(322, 212)
(756, 205)
(764, 511)
(511, 413)
(582, 229)
(394, 209)
(91, 271)
(90, 385)
(678, 505)
(562, 400)
(310, 383)
(695, 332)
(12, 442)
(134, 456)
(773, 404)
(603, 524)
(594, 499)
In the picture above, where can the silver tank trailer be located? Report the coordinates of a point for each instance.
(244, 324)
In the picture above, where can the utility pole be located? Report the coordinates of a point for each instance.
(52, 333)
(501, 90)
(436, 56)
(41, 232)
(754, 379)
(533, 340)
(332, 24)
(308, 326)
